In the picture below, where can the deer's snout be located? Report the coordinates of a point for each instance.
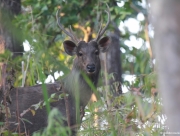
(91, 68)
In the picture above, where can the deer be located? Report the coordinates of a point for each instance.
(86, 64)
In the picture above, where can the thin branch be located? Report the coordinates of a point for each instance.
(25, 72)
(17, 110)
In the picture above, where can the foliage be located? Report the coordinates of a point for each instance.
(135, 116)
(135, 112)
(55, 125)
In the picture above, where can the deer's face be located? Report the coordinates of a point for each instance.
(87, 54)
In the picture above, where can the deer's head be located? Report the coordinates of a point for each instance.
(87, 52)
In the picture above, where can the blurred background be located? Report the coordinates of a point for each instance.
(31, 43)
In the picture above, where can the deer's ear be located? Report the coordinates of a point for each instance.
(69, 47)
(104, 43)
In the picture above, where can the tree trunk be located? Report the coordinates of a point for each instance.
(166, 19)
(9, 38)
(111, 61)
(9, 35)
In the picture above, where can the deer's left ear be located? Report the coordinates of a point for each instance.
(104, 43)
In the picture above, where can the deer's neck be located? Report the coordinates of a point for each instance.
(77, 86)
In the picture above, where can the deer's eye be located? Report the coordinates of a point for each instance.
(80, 53)
(97, 52)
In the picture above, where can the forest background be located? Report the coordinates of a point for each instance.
(32, 24)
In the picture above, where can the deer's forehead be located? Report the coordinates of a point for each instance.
(90, 46)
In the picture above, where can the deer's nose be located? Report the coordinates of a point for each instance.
(90, 68)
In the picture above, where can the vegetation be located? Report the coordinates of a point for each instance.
(137, 111)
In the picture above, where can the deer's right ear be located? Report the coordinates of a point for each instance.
(70, 47)
(104, 43)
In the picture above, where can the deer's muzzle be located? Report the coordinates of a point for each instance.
(90, 68)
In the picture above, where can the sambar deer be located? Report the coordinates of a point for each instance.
(86, 64)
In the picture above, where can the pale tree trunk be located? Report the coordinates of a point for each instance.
(166, 20)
